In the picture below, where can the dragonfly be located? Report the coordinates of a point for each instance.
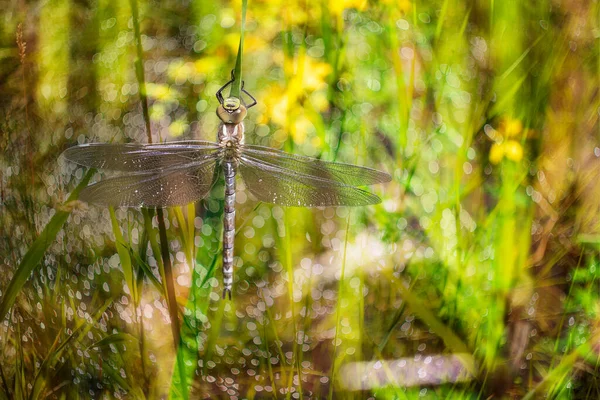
(177, 173)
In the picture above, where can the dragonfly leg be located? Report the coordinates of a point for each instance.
(254, 102)
(220, 91)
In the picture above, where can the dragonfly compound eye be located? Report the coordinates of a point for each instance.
(231, 104)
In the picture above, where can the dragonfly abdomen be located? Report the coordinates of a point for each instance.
(228, 227)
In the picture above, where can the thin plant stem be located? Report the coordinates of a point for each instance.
(168, 270)
(338, 311)
(290, 272)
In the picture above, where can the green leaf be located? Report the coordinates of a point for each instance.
(38, 249)
(236, 86)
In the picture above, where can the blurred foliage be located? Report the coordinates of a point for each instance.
(484, 248)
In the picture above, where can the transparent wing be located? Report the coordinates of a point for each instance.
(351, 175)
(136, 157)
(167, 188)
(282, 186)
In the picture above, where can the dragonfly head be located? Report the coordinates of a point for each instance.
(231, 111)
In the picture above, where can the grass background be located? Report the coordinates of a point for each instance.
(485, 246)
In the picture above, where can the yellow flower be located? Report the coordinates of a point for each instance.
(314, 74)
(178, 127)
(337, 6)
(496, 153)
(279, 111)
(161, 92)
(511, 127)
(180, 71)
(300, 129)
(513, 150)
(319, 101)
(403, 5)
(252, 43)
(504, 146)
(304, 88)
(207, 65)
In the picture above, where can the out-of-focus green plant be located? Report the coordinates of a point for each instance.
(485, 244)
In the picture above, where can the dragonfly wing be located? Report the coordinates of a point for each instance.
(166, 188)
(348, 174)
(137, 157)
(285, 187)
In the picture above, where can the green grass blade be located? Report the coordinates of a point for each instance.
(123, 252)
(338, 313)
(37, 250)
(115, 338)
(442, 18)
(198, 301)
(152, 237)
(146, 270)
(47, 369)
(5, 391)
(454, 343)
(139, 66)
(236, 86)
(563, 369)
(519, 60)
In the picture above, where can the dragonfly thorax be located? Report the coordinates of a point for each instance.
(231, 137)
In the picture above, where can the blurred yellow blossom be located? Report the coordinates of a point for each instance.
(178, 127)
(513, 150)
(402, 5)
(314, 74)
(251, 43)
(285, 106)
(510, 149)
(180, 71)
(337, 6)
(504, 146)
(207, 65)
(319, 101)
(496, 153)
(277, 106)
(301, 126)
(511, 127)
(161, 92)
